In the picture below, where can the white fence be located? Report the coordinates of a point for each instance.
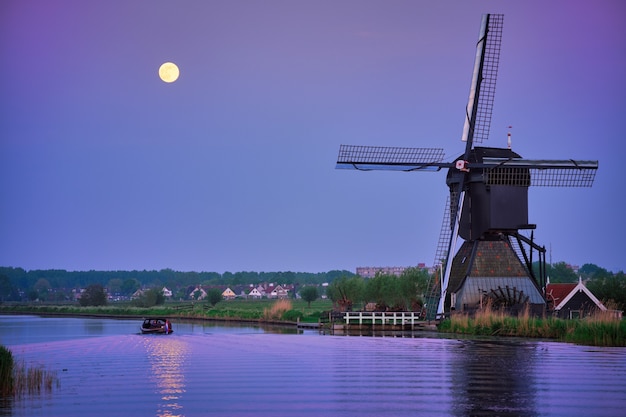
(381, 317)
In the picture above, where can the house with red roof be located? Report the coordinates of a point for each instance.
(572, 300)
(278, 292)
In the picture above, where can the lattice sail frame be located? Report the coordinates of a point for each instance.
(541, 173)
(489, 77)
(389, 158)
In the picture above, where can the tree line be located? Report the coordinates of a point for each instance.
(383, 292)
(17, 284)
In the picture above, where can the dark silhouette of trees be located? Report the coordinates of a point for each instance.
(94, 295)
(129, 286)
(8, 291)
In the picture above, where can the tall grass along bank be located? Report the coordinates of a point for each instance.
(598, 330)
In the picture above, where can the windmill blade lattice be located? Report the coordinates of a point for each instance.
(386, 158)
(540, 173)
(489, 77)
(433, 289)
(483, 90)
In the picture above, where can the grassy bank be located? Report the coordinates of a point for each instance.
(249, 310)
(599, 330)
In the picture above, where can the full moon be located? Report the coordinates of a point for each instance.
(169, 72)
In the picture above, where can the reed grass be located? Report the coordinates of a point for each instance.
(277, 309)
(18, 379)
(600, 329)
(6, 372)
(33, 380)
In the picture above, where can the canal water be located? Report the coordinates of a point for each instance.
(105, 367)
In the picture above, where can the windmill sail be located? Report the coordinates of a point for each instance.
(539, 173)
(366, 158)
(483, 89)
(477, 121)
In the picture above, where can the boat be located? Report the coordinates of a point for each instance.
(156, 326)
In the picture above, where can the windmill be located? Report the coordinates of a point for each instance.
(488, 201)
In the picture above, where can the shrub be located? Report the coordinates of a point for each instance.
(292, 315)
(150, 298)
(214, 296)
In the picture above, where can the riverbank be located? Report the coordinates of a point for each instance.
(598, 330)
(262, 311)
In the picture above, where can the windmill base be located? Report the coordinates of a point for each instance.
(489, 272)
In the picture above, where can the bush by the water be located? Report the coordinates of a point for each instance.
(292, 315)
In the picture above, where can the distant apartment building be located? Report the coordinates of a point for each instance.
(371, 271)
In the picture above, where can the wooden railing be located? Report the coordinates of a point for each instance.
(381, 317)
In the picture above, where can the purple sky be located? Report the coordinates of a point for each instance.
(231, 168)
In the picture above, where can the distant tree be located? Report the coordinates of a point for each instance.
(33, 294)
(412, 285)
(8, 291)
(309, 294)
(345, 292)
(42, 286)
(382, 290)
(129, 286)
(115, 286)
(151, 297)
(611, 289)
(214, 296)
(94, 295)
(593, 271)
(561, 272)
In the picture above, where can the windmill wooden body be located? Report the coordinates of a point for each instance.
(488, 203)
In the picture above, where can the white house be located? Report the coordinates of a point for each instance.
(255, 293)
